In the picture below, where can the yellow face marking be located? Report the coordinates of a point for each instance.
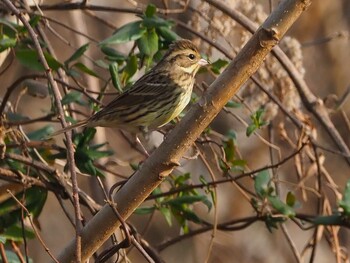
(191, 69)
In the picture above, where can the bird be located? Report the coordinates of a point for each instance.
(156, 98)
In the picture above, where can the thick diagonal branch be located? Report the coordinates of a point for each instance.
(177, 142)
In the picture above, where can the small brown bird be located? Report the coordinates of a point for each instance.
(156, 98)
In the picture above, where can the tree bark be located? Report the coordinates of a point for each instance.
(178, 141)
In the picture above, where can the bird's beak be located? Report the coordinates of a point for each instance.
(203, 62)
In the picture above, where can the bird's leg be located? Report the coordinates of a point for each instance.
(144, 132)
(141, 145)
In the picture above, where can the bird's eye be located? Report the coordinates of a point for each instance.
(191, 56)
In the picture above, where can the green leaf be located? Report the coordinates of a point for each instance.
(73, 96)
(190, 215)
(239, 162)
(129, 32)
(218, 65)
(69, 119)
(257, 118)
(13, 258)
(207, 203)
(345, 202)
(134, 166)
(290, 199)
(100, 63)
(208, 190)
(281, 207)
(34, 20)
(262, 183)
(83, 139)
(30, 59)
(150, 10)
(180, 180)
(231, 135)
(73, 73)
(10, 212)
(229, 148)
(113, 54)
(36, 88)
(250, 129)
(167, 34)
(77, 54)
(157, 191)
(167, 214)
(14, 117)
(148, 43)
(258, 114)
(35, 200)
(52, 62)
(6, 42)
(272, 222)
(144, 210)
(84, 155)
(98, 146)
(41, 133)
(331, 220)
(61, 155)
(203, 180)
(84, 163)
(224, 166)
(94, 155)
(258, 121)
(233, 104)
(156, 22)
(9, 24)
(15, 233)
(114, 71)
(186, 199)
(14, 165)
(85, 69)
(130, 68)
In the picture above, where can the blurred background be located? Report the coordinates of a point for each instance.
(317, 45)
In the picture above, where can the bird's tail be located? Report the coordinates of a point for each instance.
(70, 127)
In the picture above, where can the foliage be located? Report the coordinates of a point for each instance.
(267, 196)
(151, 35)
(179, 205)
(257, 122)
(268, 189)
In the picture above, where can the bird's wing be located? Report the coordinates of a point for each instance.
(149, 87)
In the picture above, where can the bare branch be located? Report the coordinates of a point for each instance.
(57, 95)
(167, 155)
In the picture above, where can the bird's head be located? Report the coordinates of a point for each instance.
(183, 57)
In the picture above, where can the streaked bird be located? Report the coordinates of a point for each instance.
(156, 98)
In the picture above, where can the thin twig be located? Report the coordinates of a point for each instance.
(311, 102)
(17, 251)
(214, 231)
(57, 95)
(82, 6)
(25, 241)
(46, 118)
(11, 88)
(3, 253)
(34, 227)
(57, 22)
(319, 205)
(233, 225)
(233, 178)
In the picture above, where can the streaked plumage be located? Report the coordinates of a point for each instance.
(157, 97)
